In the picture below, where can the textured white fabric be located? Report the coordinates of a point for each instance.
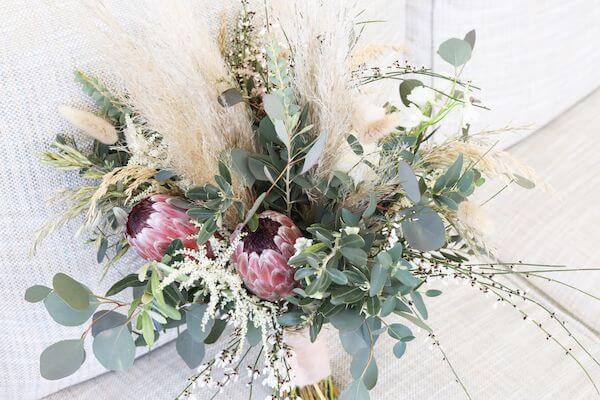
(40, 46)
(533, 59)
(559, 226)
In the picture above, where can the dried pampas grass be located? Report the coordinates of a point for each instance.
(94, 126)
(320, 35)
(494, 164)
(172, 71)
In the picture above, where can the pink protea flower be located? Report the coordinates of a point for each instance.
(261, 257)
(154, 222)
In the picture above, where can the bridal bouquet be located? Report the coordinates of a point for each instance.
(270, 192)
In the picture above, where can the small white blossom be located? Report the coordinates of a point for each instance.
(301, 244)
(421, 96)
(469, 113)
(352, 230)
(410, 117)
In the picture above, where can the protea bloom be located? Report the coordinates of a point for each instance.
(261, 257)
(154, 222)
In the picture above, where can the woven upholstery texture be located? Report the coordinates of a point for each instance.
(497, 355)
(533, 59)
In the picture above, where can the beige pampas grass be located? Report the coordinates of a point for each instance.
(172, 71)
(320, 39)
(372, 52)
(474, 218)
(491, 163)
(94, 126)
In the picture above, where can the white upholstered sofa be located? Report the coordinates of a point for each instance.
(538, 62)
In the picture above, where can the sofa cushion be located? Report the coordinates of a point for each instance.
(532, 59)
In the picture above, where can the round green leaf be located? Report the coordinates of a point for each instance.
(355, 391)
(105, 319)
(352, 341)
(364, 367)
(65, 315)
(399, 349)
(37, 293)
(346, 320)
(194, 316)
(115, 348)
(399, 331)
(62, 359)
(455, 51)
(190, 351)
(424, 230)
(72, 292)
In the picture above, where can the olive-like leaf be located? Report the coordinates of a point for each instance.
(408, 181)
(314, 154)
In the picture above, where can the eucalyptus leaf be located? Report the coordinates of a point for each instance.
(352, 341)
(65, 315)
(399, 349)
(424, 229)
(239, 160)
(273, 106)
(282, 133)
(470, 38)
(290, 318)
(194, 316)
(37, 293)
(130, 280)
(218, 327)
(164, 174)
(408, 181)
(355, 391)
(72, 292)
(399, 331)
(356, 256)
(455, 51)
(62, 359)
(115, 348)
(105, 319)
(346, 320)
(230, 97)
(379, 275)
(189, 350)
(257, 203)
(314, 154)
(364, 367)
(254, 334)
(523, 182)
(419, 304)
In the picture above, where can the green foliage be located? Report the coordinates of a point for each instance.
(109, 105)
(114, 348)
(62, 359)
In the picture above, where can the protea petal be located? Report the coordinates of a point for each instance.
(154, 223)
(261, 257)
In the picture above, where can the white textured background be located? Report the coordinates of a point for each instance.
(534, 59)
